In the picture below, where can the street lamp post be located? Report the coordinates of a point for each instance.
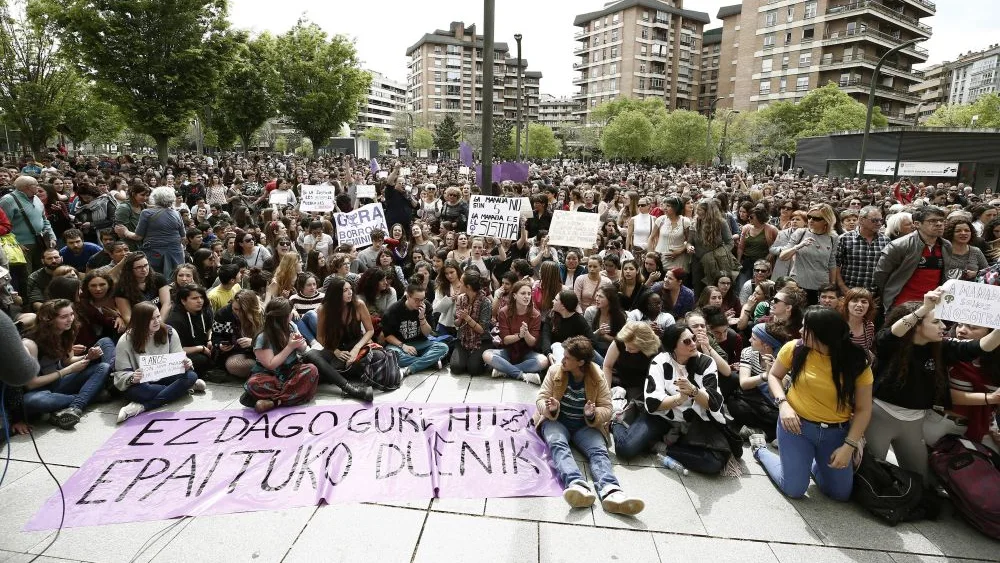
(871, 100)
(725, 133)
(517, 143)
(916, 118)
(486, 164)
(708, 136)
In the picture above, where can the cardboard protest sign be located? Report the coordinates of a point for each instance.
(404, 171)
(463, 170)
(491, 216)
(164, 465)
(971, 303)
(383, 174)
(356, 227)
(157, 366)
(432, 168)
(573, 229)
(279, 197)
(366, 191)
(317, 198)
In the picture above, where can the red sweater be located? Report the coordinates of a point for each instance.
(512, 326)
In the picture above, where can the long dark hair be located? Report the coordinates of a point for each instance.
(330, 326)
(52, 344)
(898, 366)
(127, 282)
(569, 300)
(615, 311)
(368, 284)
(847, 360)
(142, 315)
(276, 327)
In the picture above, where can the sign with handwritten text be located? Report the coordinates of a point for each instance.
(492, 216)
(157, 366)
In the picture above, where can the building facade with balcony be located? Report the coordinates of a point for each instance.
(557, 112)
(786, 48)
(711, 56)
(974, 75)
(638, 49)
(931, 92)
(445, 77)
(386, 97)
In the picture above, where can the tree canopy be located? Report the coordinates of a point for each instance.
(628, 136)
(539, 141)
(250, 86)
(446, 134)
(423, 139)
(987, 107)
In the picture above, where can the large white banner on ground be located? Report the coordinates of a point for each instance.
(356, 227)
(576, 230)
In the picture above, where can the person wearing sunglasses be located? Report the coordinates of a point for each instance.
(681, 397)
(640, 227)
(914, 264)
(858, 252)
(812, 251)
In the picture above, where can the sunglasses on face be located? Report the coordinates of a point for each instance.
(687, 341)
(759, 271)
(815, 218)
(284, 244)
(775, 300)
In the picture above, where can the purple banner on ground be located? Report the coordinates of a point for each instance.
(166, 465)
(513, 171)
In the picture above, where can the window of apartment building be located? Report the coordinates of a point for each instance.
(845, 78)
(805, 59)
(614, 52)
(802, 83)
(642, 50)
(765, 87)
(808, 33)
(614, 35)
(454, 76)
(614, 84)
(597, 24)
(782, 84)
(437, 62)
(769, 41)
(715, 61)
(771, 18)
(784, 62)
(766, 64)
(644, 33)
(656, 83)
(453, 90)
(437, 76)
(810, 10)
(451, 104)
(437, 104)
(791, 14)
(788, 38)
(613, 68)
(642, 83)
(614, 18)
(454, 62)
(645, 16)
(852, 27)
(437, 49)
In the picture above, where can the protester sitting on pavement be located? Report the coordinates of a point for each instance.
(520, 330)
(233, 331)
(78, 253)
(627, 363)
(473, 310)
(406, 327)
(975, 394)
(574, 405)
(139, 283)
(342, 328)
(192, 318)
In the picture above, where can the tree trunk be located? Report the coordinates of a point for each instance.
(245, 139)
(161, 148)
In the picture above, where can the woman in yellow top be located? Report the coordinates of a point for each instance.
(825, 412)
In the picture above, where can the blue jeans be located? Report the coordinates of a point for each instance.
(158, 393)
(75, 390)
(307, 325)
(108, 347)
(640, 435)
(533, 362)
(589, 441)
(802, 454)
(164, 260)
(428, 353)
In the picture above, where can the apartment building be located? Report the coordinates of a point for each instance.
(557, 112)
(932, 92)
(638, 49)
(974, 75)
(711, 51)
(445, 77)
(729, 49)
(785, 48)
(385, 98)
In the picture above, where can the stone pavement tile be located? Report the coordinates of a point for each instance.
(542, 509)
(515, 391)
(215, 398)
(956, 538)
(449, 389)
(473, 506)
(843, 524)
(16, 469)
(675, 548)
(747, 508)
(20, 501)
(788, 553)
(559, 543)
(327, 395)
(414, 389)
(244, 536)
(126, 542)
(453, 537)
(67, 447)
(350, 533)
(668, 507)
(911, 558)
(484, 389)
(416, 504)
(12, 557)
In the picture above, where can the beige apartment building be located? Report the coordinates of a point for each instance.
(785, 48)
(708, 85)
(557, 112)
(445, 77)
(931, 92)
(638, 49)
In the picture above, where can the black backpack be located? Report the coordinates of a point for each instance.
(893, 494)
(382, 370)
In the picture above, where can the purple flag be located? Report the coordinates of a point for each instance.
(514, 171)
(465, 153)
(375, 167)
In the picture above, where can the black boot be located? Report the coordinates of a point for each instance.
(356, 391)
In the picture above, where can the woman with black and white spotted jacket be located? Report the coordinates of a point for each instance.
(682, 389)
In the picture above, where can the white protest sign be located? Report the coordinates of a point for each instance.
(157, 366)
(526, 211)
(463, 170)
(383, 174)
(278, 197)
(317, 198)
(494, 217)
(970, 303)
(356, 227)
(405, 171)
(366, 191)
(573, 229)
(432, 168)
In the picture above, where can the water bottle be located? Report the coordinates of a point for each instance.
(671, 464)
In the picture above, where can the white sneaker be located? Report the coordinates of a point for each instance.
(579, 495)
(617, 393)
(531, 377)
(199, 386)
(620, 503)
(128, 411)
(496, 374)
(757, 441)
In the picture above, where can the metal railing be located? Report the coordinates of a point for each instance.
(861, 5)
(860, 83)
(855, 33)
(848, 59)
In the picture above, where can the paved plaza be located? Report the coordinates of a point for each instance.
(688, 519)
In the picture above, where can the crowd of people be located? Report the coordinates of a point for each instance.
(714, 308)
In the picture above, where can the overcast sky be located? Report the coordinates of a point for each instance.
(383, 30)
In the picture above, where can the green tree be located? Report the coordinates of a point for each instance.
(588, 139)
(399, 127)
(158, 62)
(987, 108)
(446, 134)
(305, 149)
(423, 139)
(281, 144)
(378, 135)
(90, 118)
(249, 90)
(847, 117)
(539, 141)
(503, 135)
(680, 138)
(323, 84)
(628, 136)
(36, 88)
(653, 108)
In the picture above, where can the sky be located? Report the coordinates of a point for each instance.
(383, 31)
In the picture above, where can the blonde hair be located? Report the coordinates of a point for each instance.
(641, 335)
(828, 214)
(287, 271)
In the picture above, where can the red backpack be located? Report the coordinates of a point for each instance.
(971, 473)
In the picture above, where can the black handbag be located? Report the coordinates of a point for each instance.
(711, 435)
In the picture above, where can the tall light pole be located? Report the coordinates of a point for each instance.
(916, 118)
(486, 182)
(708, 136)
(517, 143)
(725, 132)
(871, 100)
